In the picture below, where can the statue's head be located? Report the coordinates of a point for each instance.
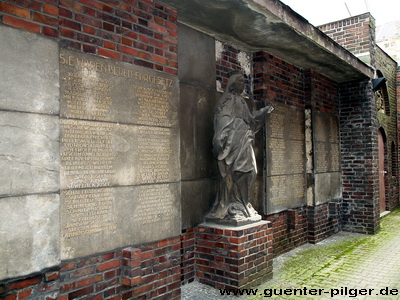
(236, 83)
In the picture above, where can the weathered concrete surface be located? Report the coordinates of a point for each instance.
(271, 26)
(29, 161)
(197, 101)
(29, 239)
(197, 198)
(327, 187)
(29, 72)
(197, 132)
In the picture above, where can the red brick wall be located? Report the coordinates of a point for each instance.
(323, 221)
(140, 32)
(289, 229)
(188, 262)
(35, 16)
(278, 81)
(322, 93)
(356, 34)
(149, 271)
(226, 62)
(43, 286)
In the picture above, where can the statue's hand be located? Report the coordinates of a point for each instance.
(268, 109)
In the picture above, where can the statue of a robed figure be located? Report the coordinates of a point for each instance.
(233, 147)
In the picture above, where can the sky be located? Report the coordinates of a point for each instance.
(319, 12)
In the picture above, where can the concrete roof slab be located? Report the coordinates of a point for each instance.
(271, 26)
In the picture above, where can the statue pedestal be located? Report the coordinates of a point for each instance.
(234, 222)
(234, 257)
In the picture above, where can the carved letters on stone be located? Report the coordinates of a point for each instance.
(119, 148)
(285, 178)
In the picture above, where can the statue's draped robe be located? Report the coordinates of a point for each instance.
(233, 142)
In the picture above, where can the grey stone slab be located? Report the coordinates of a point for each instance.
(285, 141)
(234, 228)
(29, 239)
(29, 77)
(327, 157)
(285, 155)
(29, 160)
(100, 154)
(97, 220)
(197, 198)
(285, 122)
(326, 142)
(94, 88)
(326, 128)
(196, 132)
(328, 186)
(196, 53)
(285, 192)
(119, 153)
(257, 194)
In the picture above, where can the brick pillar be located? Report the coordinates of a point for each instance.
(131, 267)
(398, 129)
(359, 157)
(234, 257)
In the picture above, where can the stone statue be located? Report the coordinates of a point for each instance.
(234, 130)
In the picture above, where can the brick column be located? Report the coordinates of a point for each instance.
(359, 157)
(398, 130)
(234, 257)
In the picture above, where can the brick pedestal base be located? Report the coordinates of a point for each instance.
(234, 257)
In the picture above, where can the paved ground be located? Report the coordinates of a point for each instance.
(345, 266)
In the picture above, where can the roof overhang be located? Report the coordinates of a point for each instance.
(271, 26)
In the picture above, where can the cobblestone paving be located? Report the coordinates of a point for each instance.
(345, 265)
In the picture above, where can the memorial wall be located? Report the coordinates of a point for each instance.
(326, 157)
(285, 150)
(119, 147)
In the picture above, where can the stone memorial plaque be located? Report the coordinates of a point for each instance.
(118, 215)
(326, 132)
(100, 154)
(285, 183)
(94, 88)
(327, 157)
(119, 146)
(285, 191)
(285, 156)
